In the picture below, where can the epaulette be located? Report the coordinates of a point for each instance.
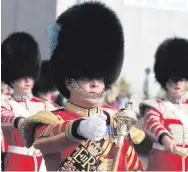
(43, 117)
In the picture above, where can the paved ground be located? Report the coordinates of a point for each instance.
(144, 160)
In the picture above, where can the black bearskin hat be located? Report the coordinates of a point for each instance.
(45, 82)
(20, 57)
(171, 60)
(90, 44)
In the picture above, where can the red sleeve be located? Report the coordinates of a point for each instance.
(154, 124)
(7, 117)
(58, 136)
(129, 160)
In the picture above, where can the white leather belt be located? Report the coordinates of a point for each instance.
(24, 151)
(161, 147)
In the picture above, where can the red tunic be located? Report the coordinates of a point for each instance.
(4, 145)
(18, 157)
(158, 120)
(62, 142)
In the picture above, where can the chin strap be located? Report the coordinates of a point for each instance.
(75, 87)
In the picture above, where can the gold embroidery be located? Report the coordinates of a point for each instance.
(60, 118)
(68, 132)
(60, 128)
(95, 149)
(82, 111)
(131, 159)
(48, 130)
(81, 157)
(106, 151)
(107, 165)
(129, 150)
(42, 117)
(136, 165)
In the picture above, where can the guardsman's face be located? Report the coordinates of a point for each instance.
(91, 86)
(23, 85)
(177, 88)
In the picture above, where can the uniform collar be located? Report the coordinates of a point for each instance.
(22, 97)
(80, 110)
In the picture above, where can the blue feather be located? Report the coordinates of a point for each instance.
(53, 32)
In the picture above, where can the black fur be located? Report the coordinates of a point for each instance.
(20, 57)
(171, 60)
(45, 82)
(90, 45)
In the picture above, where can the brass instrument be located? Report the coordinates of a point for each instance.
(125, 118)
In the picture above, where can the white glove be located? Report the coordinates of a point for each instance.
(93, 128)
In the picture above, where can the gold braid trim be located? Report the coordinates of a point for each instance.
(27, 130)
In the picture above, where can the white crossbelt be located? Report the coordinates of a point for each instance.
(28, 152)
(24, 151)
